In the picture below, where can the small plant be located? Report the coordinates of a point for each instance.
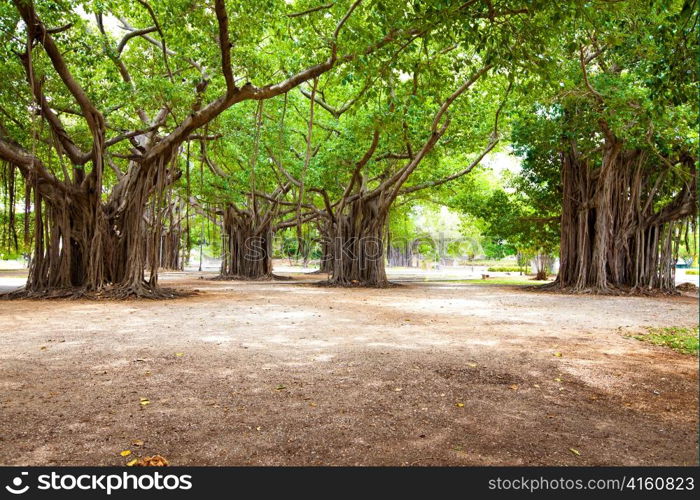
(678, 338)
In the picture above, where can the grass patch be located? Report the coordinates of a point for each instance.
(678, 338)
(506, 269)
(487, 262)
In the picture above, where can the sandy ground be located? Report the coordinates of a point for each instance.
(288, 373)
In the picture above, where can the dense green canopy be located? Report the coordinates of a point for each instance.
(128, 130)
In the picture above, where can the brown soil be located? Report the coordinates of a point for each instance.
(287, 373)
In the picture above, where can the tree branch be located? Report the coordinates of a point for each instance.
(311, 10)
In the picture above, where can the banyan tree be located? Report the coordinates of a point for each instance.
(627, 147)
(97, 143)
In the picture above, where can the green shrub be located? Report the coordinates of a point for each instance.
(505, 269)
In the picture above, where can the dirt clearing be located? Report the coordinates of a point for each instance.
(287, 373)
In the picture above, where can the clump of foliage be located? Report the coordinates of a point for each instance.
(505, 269)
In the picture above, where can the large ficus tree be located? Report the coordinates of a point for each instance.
(618, 116)
(98, 99)
(422, 118)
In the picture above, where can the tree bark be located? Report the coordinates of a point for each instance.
(358, 245)
(614, 237)
(247, 246)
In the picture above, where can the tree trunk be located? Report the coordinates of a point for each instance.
(247, 246)
(168, 246)
(325, 229)
(66, 231)
(358, 248)
(613, 237)
(135, 242)
(399, 253)
(543, 263)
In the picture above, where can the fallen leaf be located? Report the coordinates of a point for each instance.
(179, 354)
(43, 348)
(137, 442)
(557, 380)
(125, 453)
(144, 402)
(575, 452)
(258, 428)
(312, 404)
(537, 386)
(133, 462)
(280, 387)
(557, 354)
(154, 461)
(514, 387)
(459, 405)
(472, 365)
(398, 389)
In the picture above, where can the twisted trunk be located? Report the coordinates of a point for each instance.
(357, 244)
(614, 237)
(70, 234)
(247, 245)
(167, 246)
(325, 229)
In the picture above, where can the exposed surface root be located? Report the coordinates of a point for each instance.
(687, 287)
(109, 293)
(356, 284)
(236, 277)
(555, 287)
(55, 293)
(142, 292)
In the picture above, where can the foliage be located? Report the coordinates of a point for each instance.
(294, 155)
(505, 269)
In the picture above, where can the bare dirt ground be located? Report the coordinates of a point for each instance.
(288, 373)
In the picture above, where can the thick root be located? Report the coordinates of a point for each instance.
(357, 284)
(108, 293)
(556, 287)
